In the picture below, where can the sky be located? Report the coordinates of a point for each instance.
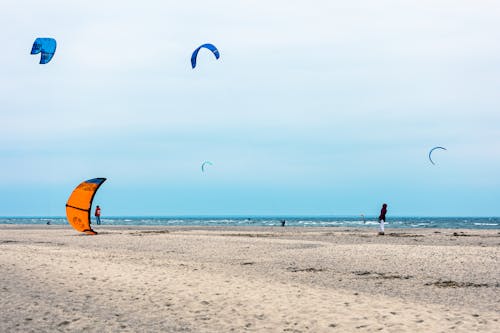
(314, 107)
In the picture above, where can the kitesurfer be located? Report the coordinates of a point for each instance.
(381, 219)
(98, 214)
(283, 223)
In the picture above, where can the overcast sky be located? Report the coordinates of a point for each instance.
(314, 108)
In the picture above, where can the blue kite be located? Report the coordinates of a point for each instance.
(430, 153)
(211, 47)
(46, 46)
(204, 164)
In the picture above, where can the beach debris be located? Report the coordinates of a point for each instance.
(210, 47)
(80, 203)
(430, 153)
(45, 46)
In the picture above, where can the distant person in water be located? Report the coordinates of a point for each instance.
(283, 223)
(381, 219)
(98, 214)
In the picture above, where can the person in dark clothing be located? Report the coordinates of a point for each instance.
(283, 223)
(381, 219)
(98, 214)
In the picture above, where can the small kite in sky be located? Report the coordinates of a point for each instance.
(45, 46)
(210, 47)
(204, 164)
(430, 153)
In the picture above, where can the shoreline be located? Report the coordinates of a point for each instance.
(368, 226)
(479, 223)
(249, 278)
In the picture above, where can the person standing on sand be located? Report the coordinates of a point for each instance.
(381, 219)
(98, 214)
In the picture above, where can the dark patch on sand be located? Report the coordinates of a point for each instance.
(250, 235)
(149, 232)
(454, 284)
(49, 243)
(394, 234)
(247, 263)
(104, 233)
(303, 246)
(8, 241)
(461, 234)
(377, 275)
(310, 269)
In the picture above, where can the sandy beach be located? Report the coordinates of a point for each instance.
(257, 279)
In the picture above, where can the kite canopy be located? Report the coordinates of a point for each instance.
(211, 47)
(79, 205)
(430, 153)
(204, 164)
(46, 46)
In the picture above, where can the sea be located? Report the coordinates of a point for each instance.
(290, 221)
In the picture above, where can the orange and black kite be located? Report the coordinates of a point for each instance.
(79, 205)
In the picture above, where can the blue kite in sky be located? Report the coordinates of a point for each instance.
(430, 152)
(46, 46)
(211, 47)
(204, 164)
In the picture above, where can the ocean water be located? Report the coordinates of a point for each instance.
(348, 221)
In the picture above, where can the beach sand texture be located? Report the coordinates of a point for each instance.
(256, 279)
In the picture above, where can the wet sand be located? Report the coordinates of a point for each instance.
(257, 279)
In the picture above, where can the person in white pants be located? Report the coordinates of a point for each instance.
(381, 219)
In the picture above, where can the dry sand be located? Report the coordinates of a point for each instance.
(201, 279)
